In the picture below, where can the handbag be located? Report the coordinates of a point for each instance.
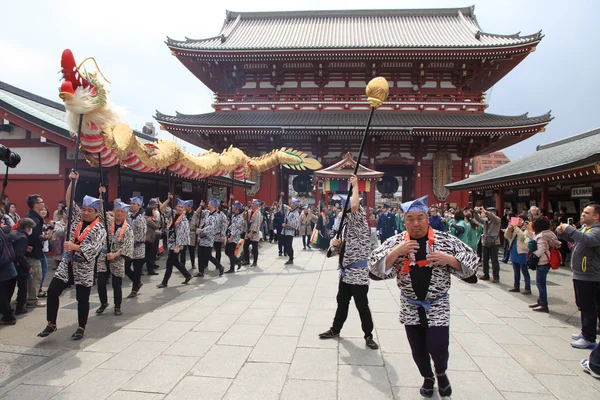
(315, 238)
(532, 261)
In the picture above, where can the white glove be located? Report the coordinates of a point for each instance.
(377, 232)
(395, 232)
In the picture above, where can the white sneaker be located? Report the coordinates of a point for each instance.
(582, 343)
(585, 365)
(576, 336)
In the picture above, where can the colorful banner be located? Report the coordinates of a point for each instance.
(331, 185)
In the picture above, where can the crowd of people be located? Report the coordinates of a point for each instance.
(107, 242)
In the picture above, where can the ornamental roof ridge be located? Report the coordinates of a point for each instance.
(31, 96)
(571, 139)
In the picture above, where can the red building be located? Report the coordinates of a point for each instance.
(488, 162)
(297, 79)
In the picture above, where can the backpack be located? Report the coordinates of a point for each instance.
(554, 258)
(7, 253)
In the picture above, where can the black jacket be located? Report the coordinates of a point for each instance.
(18, 239)
(35, 239)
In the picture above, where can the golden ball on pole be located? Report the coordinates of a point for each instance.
(377, 91)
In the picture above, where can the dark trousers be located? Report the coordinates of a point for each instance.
(229, 251)
(192, 251)
(425, 342)
(247, 244)
(518, 269)
(204, 256)
(506, 254)
(82, 294)
(491, 253)
(21, 292)
(173, 261)
(135, 273)
(306, 240)
(7, 288)
(345, 293)
(586, 295)
(287, 246)
(272, 236)
(218, 246)
(151, 249)
(595, 360)
(280, 247)
(117, 285)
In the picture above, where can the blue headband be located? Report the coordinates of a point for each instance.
(295, 201)
(181, 202)
(418, 205)
(238, 205)
(215, 202)
(137, 200)
(89, 201)
(119, 205)
(257, 202)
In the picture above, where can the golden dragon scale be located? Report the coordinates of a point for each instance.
(104, 136)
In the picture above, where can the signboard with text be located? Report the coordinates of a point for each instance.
(524, 192)
(584, 191)
(186, 187)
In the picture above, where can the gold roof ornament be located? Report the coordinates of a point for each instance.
(377, 91)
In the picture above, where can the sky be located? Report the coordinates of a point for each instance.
(126, 37)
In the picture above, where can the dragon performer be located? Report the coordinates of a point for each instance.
(104, 136)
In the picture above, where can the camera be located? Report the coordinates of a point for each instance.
(10, 158)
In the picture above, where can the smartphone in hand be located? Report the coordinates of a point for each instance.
(569, 221)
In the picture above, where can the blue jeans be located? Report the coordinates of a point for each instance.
(518, 269)
(44, 268)
(541, 272)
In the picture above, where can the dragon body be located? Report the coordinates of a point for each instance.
(105, 137)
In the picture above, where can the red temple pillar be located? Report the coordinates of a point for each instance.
(418, 179)
(113, 183)
(500, 201)
(370, 197)
(464, 195)
(544, 197)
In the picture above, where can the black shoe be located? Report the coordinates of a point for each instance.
(280, 255)
(254, 265)
(8, 321)
(289, 262)
(153, 273)
(132, 295)
(230, 271)
(118, 312)
(161, 286)
(485, 278)
(193, 267)
(187, 280)
(328, 335)
(444, 388)
(21, 311)
(427, 388)
(496, 280)
(239, 265)
(102, 308)
(48, 330)
(246, 263)
(78, 335)
(221, 270)
(371, 343)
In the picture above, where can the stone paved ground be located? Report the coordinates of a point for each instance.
(254, 336)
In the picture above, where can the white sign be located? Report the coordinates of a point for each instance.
(524, 192)
(186, 187)
(585, 191)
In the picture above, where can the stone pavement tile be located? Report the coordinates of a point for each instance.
(455, 311)
(317, 317)
(385, 320)
(527, 327)
(299, 296)
(29, 351)
(31, 392)
(505, 334)
(483, 298)
(569, 387)
(161, 375)
(200, 387)
(151, 320)
(275, 291)
(136, 356)
(246, 294)
(285, 326)
(276, 349)
(355, 352)
(258, 381)
(70, 370)
(465, 302)
(233, 307)
(193, 313)
(359, 382)
(257, 316)
(242, 335)
(503, 311)
(575, 367)
(507, 375)
(126, 395)
(222, 361)
(468, 385)
(406, 393)
(170, 331)
(11, 364)
(318, 364)
(535, 360)
(558, 348)
(98, 384)
(292, 310)
(460, 360)
(564, 333)
(310, 338)
(393, 341)
(177, 305)
(402, 370)
(483, 317)
(323, 303)
(214, 300)
(527, 396)
(480, 344)
(193, 344)
(547, 320)
(463, 324)
(216, 323)
(118, 341)
(309, 390)
(267, 301)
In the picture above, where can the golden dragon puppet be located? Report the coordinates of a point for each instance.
(104, 136)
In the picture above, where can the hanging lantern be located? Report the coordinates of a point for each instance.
(302, 183)
(387, 186)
